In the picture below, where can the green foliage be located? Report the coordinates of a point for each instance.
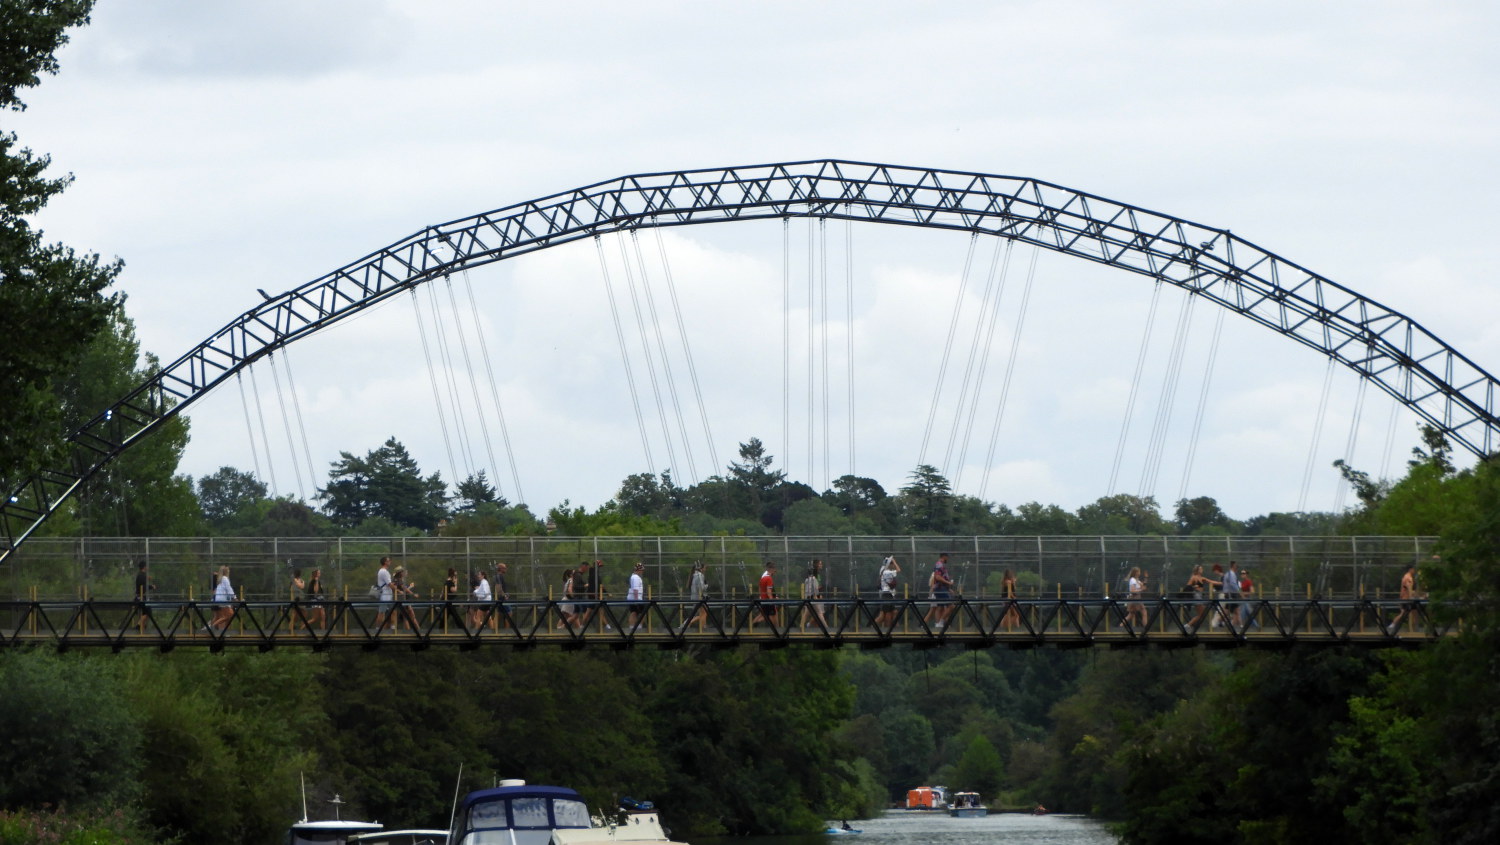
(980, 769)
(928, 501)
(1202, 514)
(1122, 513)
(67, 742)
(226, 493)
(761, 757)
(226, 738)
(385, 484)
(52, 298)
(72, 827)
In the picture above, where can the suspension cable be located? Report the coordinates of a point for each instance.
(823, 330)
(484, 352)
(1390, 439)
(1156, 444)
(1349, 444)
(463, 345)
(687, 349)
(286, 361)
(1135, 386)
(635, 399)
(937, 390)
(437, 397)
(286, 422)
(250, 429)
(849, 327)
(264, 440)
(450, 383)
(786, 340)
(1312, 448)
(812, 374)
(640, 325)
(1010, 369)
(666, 361)
(1208, 374)
(989, 318)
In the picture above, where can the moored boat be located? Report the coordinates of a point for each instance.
(329, 832)
(967, 805)
(517, 813)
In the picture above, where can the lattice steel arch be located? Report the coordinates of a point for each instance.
(1437, 382)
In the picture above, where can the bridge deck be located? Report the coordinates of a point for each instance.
(1022, 623)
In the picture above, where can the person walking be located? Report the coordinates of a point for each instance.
(940, 592)
(768, 593)
(565, 608)
(404, 592)
(314, 595)
(143, 590)
(812, 590)
(1197, 588)
(890, 607)
(1409, 598)
(697, 594)
(1012, 615)
(383, 593)
(482, 597)
(1247, 610)
(1135, 609)
(635, 596)
(223, 601)
(1231, 592)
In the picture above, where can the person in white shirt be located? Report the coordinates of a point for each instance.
(386, 595)
(889, 606)
(636, 595)
(482, 598)
(223, 601)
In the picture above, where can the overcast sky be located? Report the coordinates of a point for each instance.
(229, 146)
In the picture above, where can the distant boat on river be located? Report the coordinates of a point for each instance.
(967, 805)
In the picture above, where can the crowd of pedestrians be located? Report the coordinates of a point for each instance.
(1223, 598)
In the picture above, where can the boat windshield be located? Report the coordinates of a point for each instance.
(526, 812)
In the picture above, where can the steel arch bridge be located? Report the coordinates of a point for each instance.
(1434, 380)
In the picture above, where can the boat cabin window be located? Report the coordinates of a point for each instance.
(529, 812)
(569, 813)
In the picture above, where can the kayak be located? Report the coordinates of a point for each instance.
(839, 831)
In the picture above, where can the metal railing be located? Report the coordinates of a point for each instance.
(1075, 566)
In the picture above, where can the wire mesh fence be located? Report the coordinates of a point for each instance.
(262, 568)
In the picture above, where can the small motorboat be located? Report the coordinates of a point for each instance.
(966, 805)
(329, 832)
(401, 837)
(334, 831)
(516, 813)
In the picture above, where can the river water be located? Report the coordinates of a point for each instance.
(901, 827)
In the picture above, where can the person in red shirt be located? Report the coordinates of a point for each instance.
(768, 593)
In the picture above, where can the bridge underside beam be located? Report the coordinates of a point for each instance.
(1022, 623)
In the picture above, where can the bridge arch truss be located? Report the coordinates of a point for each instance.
(1437, 382)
